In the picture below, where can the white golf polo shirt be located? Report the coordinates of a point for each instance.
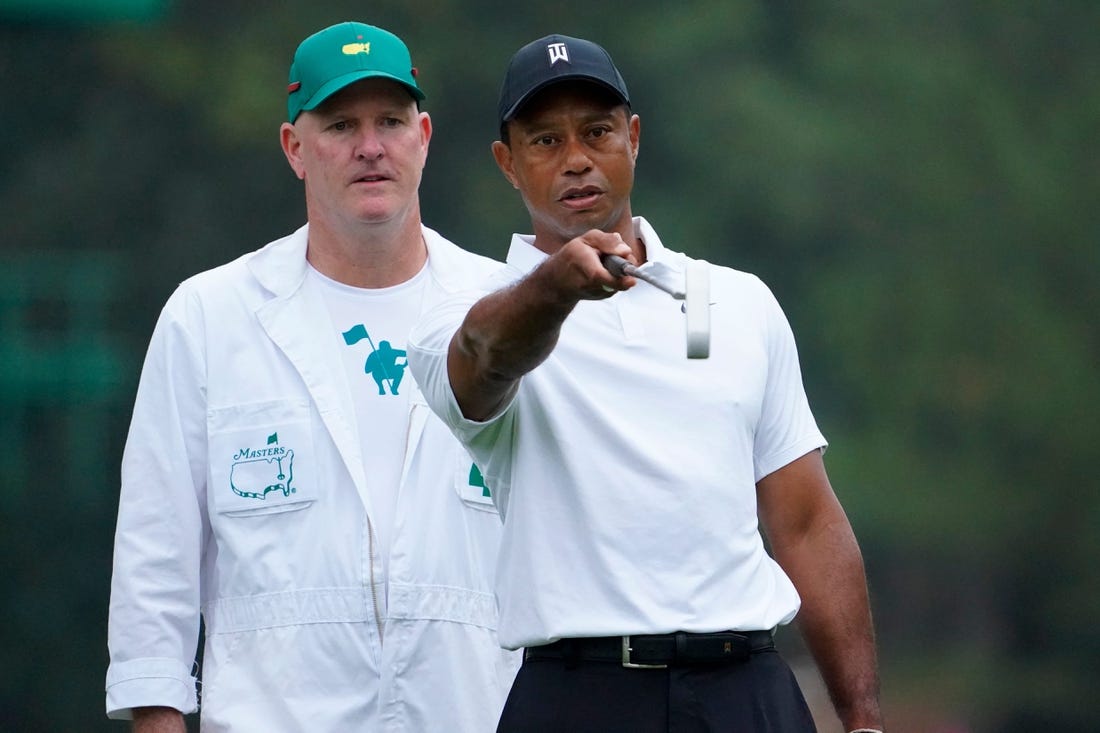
(626, 472)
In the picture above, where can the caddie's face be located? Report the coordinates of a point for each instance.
(361, 154)
(571, 154)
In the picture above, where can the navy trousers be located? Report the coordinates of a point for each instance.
(756, 696)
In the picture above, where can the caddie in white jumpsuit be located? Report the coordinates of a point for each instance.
(284, 478)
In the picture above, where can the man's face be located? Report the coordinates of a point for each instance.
(361, 153)
(571, 154)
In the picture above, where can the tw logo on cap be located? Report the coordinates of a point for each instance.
(558, 52)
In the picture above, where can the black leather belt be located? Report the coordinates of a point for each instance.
(655, 651)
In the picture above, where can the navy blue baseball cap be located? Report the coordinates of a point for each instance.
(552, 59)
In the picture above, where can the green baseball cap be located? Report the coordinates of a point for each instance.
(342, 54)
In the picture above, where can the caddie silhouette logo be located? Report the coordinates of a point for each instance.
(384, 363)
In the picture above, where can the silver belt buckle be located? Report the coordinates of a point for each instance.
(631, 665)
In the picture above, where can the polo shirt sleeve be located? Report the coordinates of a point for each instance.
(786, 430)
(488, 441)
(428, 345)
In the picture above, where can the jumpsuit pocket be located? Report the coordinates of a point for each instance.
(470, 485)
(261, 458)
(218, 654)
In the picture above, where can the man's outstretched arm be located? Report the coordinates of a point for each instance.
(510, 332)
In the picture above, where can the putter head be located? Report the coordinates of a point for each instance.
(693, 287)
(697, 309)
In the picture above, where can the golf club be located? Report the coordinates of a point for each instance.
(695, 293)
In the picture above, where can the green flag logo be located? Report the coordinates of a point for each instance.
(476, 479)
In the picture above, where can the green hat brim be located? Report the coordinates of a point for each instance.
(334, 85)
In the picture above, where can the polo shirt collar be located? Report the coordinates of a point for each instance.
(524, 256)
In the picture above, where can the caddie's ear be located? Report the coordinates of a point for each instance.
(503, 156)
(425, 123)
(292, 149)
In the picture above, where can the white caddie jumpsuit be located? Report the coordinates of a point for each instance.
(243, 395)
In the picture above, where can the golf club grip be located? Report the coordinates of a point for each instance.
(616, 265)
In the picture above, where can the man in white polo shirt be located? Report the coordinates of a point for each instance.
(634, 483)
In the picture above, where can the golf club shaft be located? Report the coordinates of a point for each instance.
(618, 267)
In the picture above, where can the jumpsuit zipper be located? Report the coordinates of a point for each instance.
(370, 532)
(373, 585)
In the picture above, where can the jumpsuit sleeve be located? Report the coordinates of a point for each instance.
(153, 624)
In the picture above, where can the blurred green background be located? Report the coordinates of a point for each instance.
(919, 183)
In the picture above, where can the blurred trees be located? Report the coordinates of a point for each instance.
(918, 182)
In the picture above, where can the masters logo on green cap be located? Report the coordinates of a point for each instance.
(342, 54)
